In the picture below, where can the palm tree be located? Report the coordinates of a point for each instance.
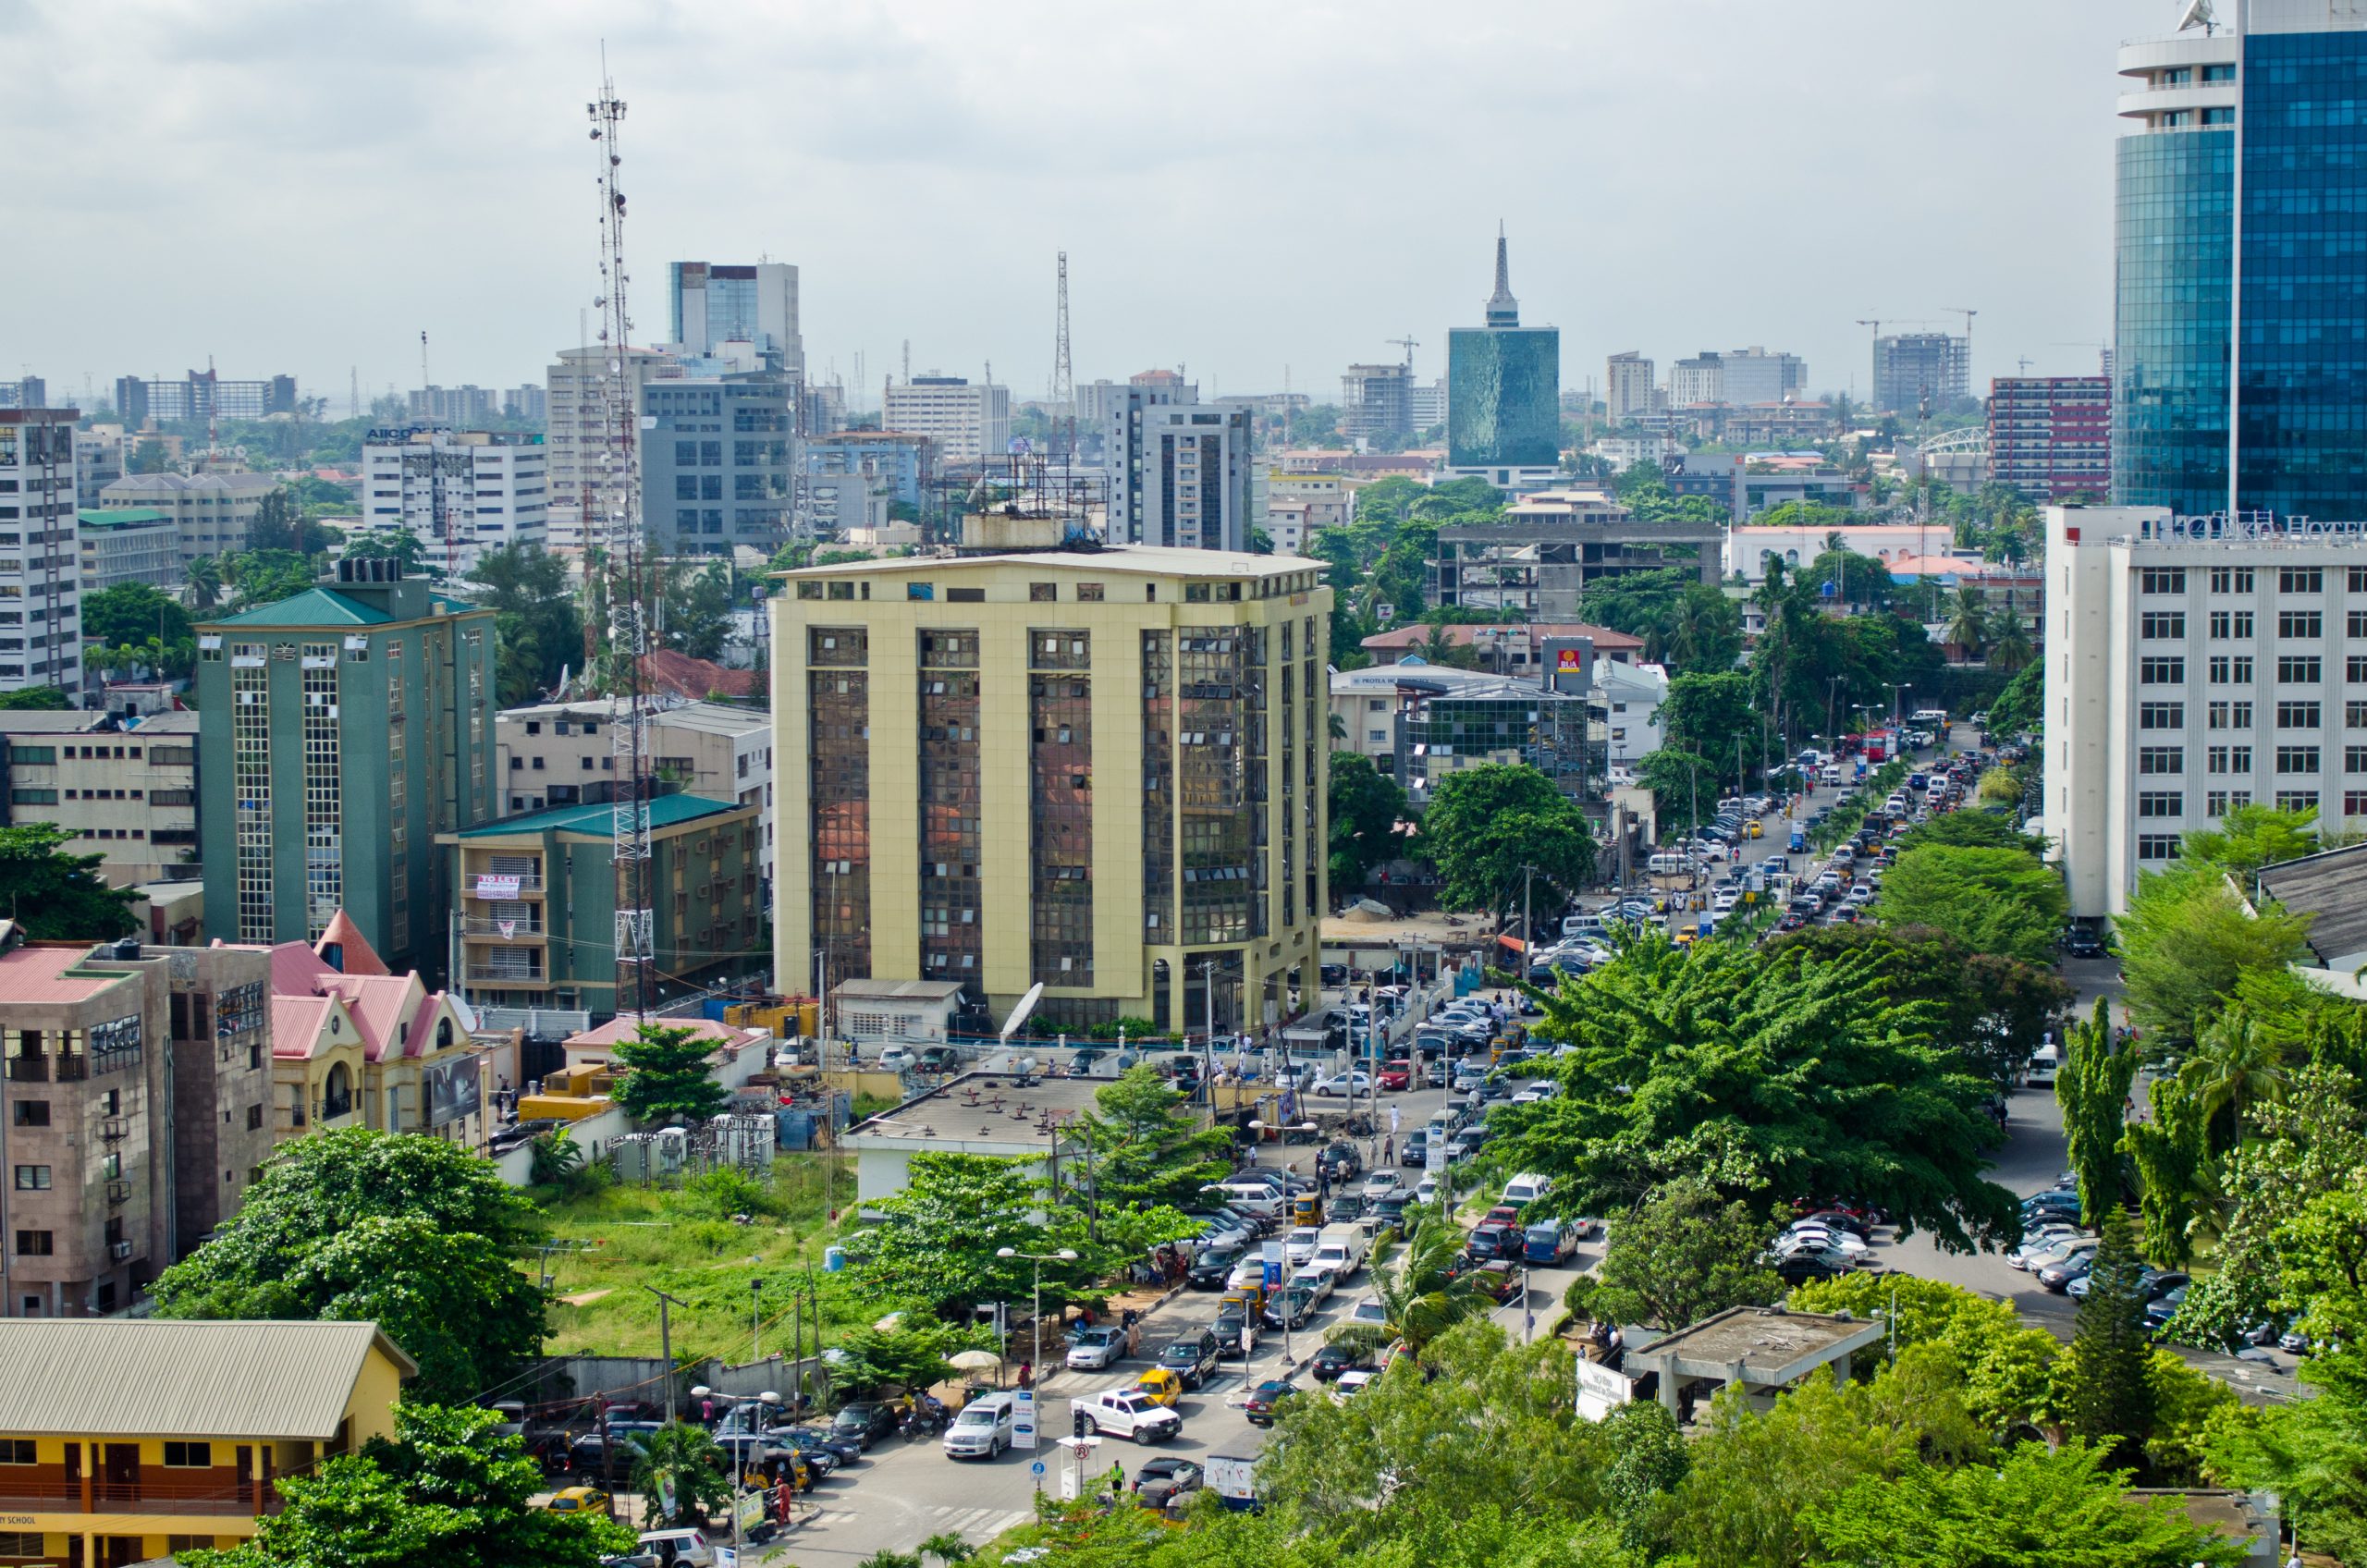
(204, 585)
(1969, 622)
(2009, 641)
(2240, 1064)
(1419, 1295)
(687, 1459)
(1338, 727)
(946, 1548)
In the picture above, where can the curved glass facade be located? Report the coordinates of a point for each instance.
(2173, 279)
(2302, 362)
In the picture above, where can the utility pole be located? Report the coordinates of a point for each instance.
(665, 1343)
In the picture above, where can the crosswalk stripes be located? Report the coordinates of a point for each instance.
(984, 1523)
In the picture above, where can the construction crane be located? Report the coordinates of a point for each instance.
(628, 591)
(1408, 344)
(1967, 314)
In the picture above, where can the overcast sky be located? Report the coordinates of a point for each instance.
(1241, 187)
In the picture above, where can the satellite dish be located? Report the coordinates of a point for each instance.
(2197, 14)
(1019, 1014)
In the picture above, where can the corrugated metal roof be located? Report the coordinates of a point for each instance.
(2332, 886)
(50, 974)
(153, 1377)
(666, 811)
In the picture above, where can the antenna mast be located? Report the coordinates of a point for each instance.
(628, 635)
(1063, 377)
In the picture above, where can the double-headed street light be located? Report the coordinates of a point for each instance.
(1036, 1324)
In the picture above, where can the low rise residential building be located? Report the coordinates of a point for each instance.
(212, 512)
(128, 545)
(560, 755)
(137, 1088)
(123, 789)
(132, 1440)
(1624, 452)
(538, 902)
(1516, 648)
(1630, 697)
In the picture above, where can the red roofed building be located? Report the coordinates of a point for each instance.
(353, 1045)
(1511, 649)
(679, 675)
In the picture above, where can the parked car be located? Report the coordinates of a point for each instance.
(1096, 1348)
(1123, 1413)
(1381, 1184)
(1396, 1075)
(1209, 1271)
(983, 1428)
(1266, 1400)
(866, 1421)
(1341, 1162)
(1232, 1324)
(1338, 1357)
(1414, 1153)
(1495, 1238)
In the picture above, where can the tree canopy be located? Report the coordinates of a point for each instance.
(1148, 1147)
(669, 1074)
(452, 1490)
(2186, 939)
(1482, 825)
(411, 1231)
(1992, 901)
(1681, 1255)
(1769, 1075)
(537, 622)
(57, 896)
(1366, 807)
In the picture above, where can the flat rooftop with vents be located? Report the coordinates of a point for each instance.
(987, 1113)
(1764, 1349)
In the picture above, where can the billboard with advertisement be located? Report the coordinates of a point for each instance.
(1569, 663)
(455, 1089)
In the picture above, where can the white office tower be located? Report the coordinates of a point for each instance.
(2194, 664)
(582, 427)
(968, 422)
(461, 492)
(41, 553)
(1180, 472)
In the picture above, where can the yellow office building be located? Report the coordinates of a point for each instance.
(1101, 770)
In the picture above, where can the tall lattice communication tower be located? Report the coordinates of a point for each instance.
(1063, 377)
(615, 551)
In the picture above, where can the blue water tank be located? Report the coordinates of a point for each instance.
(834, 1259)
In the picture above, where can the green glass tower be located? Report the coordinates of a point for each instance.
(1504, 401)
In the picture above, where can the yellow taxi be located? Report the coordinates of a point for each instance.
(580, 1500)
(1751, 828)
(1160, 1387)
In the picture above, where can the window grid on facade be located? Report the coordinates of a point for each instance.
(1159, 787)
(323, 815)
(839, 720)
(2157, 624)
(1212, 781)
(952, 933)
(2160, 671)
(2161, 716)
(2300, 669)
(250, 784)
(1060, 719)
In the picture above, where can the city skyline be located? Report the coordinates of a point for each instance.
(848, 138)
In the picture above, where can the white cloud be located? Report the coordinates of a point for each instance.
(1240, 186)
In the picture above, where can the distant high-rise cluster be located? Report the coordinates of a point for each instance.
(201, 394)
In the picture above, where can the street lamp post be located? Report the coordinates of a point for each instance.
(1035, 1325)
(766, 1400)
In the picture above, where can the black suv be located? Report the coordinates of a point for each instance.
(1192, 1357)
(1336, 1358)
(1341, 1162)
(1208, 1270)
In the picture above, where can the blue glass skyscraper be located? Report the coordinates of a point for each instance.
(1504, 392)
(2240, 265)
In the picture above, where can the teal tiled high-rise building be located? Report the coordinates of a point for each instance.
(343, 728)
(1503, 396)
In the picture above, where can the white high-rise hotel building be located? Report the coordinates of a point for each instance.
(2194, 664)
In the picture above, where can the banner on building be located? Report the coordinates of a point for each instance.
(490, 887)
(455, 1089)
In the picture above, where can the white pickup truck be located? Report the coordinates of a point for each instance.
(1125, 1413)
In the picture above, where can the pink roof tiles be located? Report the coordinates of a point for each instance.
(359, 957)
(38, 975)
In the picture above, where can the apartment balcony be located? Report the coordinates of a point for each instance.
(484, 925)
(502, 978)
(528, 886)
(29, 1069)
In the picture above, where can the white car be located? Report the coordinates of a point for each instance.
(1320, 1281)
(1348, 1083)
(1096, 1349)
(1127, 1413)
(1818, 1238)
(1301, 1245)
(1382, 1184)
(1427, 1189)
(1722, 901)
(1250, 1270)
(1352, 1383)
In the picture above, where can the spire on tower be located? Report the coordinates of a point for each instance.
(1502, 309)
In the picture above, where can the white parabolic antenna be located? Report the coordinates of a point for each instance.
(1019, 1014)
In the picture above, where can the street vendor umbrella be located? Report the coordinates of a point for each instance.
(973, 1360)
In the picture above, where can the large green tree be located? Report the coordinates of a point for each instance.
(1684, 785)
(2110, 1399)
(1483, 825)
(2251, 837)
(56, 896)
(1366, 806)
(452, 1490)
(698, 608)
(2093, 1090)
(1767, 1074)
(1149, 1146)
(132, 613)
(2187, 939)
(1714, 717)
(1680, 1255)
(537, 618)
(1990, 900)
(669, 1074)
(937, 1240)
(408, 1230)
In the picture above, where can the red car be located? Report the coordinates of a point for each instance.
(1395, 1075)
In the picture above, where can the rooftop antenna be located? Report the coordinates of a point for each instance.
(353, 392)
(628, 634)
(424, 380)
